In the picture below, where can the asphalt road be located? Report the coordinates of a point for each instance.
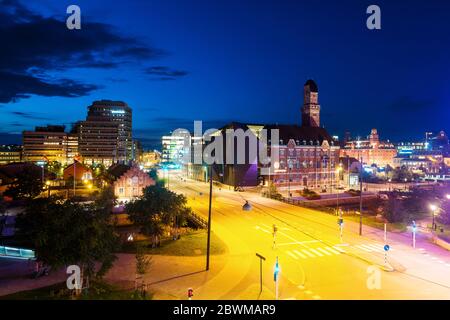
(315, 263)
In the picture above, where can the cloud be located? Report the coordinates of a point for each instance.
(29, 115)
(165, 73)
(33, 47)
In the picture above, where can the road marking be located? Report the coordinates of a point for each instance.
(292, 255)
(332, 250)
(300, 254)
(339, 249)
(324, 251)
(301, 287)
(316, 252)
(440, 261)
(376, 247)
(308, 253)
(308, 292)
(316, 297)
(433, 258)
(291, 298)
(297, 242)
(447, 264)
(363, 248)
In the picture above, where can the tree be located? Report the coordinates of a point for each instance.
(106, 199)
(157, 208)
(64, 233)
(143, 263)
(393, 209)
(28, 185)
(153, 173)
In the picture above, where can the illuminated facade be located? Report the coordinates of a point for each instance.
(372, 150)
(176, 147)
(130, 182)
(106, 135)
(50, 143)
(10, 154)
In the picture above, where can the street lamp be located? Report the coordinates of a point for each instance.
(434, 209)
(338, 171)
(208, 243)
(447, 196)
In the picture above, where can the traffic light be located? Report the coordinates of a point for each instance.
(340, 221)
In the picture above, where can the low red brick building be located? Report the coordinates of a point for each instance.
(129, 182)
(81, 172)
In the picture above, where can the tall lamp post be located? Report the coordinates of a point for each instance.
(208, 243)
(338, 172)
(360, 195)
(434, 209)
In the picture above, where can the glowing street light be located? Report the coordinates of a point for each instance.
(447, 196)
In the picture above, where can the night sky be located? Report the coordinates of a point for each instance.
(175, 61)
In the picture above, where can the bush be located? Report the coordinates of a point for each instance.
(309, 194)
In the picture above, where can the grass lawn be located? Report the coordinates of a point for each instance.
(191, 244)
(97, 291)
(371, 221)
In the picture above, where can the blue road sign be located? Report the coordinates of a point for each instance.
(386, 247)
(276, 271)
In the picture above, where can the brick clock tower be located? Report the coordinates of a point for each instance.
(311, 107)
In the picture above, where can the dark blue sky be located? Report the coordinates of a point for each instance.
(175, 61)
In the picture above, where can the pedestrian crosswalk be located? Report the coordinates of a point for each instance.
(310, 253)
(371, 247)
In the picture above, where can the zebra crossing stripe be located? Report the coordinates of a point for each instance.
(324, 251)
(375, 247)
(300, 254)
(364, 248)
(292, 255)
(308, 253)
(316, 252)
(332, 250)
(339, 249)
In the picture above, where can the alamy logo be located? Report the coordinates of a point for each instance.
(374, 20)
(74, 20)
(230, 146)
(74, 280)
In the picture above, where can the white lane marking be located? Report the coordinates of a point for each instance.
(316, 297)
(332, 250)
(308, 292)
(376, 247)
(262, 229)
(297, 242)
(324, 251)
(363, 248)
(433, 258)
(447, 264)
(291, 298)
(300, 254)
(292, 255)
(440, 261)
(308, 253)
(339, 249)
(316, 252)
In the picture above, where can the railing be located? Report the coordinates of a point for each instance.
(198, 220)
(17, 253)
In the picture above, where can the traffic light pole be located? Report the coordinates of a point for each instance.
(208, 244)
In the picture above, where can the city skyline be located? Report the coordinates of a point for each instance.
(257, 71)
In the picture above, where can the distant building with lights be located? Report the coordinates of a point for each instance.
(371, 150)
(50, 143)
(106, 135)
(10, 154)
(176, 148)
(308, 155)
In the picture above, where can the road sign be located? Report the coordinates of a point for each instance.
(386, 247)
(276, 271)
